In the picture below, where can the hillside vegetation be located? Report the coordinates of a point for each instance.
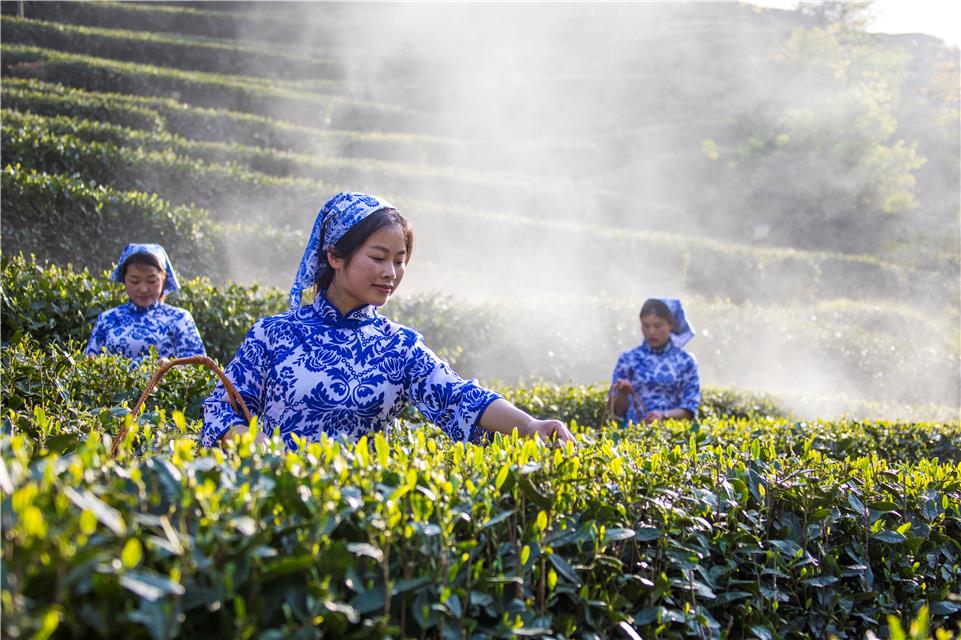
(791, 177)
(224, 128)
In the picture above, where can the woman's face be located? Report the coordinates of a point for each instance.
(144, 284)
(374, 271)
(657, 330)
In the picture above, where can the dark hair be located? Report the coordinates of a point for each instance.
(653, 306)
(147, 259)
(355, 238)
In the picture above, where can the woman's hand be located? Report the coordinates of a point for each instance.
(655, 416)
(503, 417)
(551, 429)
(619, 394)
(622, 387)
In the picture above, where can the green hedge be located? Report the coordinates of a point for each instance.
(36, 97)
(172, 51)
(235, 93)
(165, 19)
(57, 384)
(418, 538)
(66, 220)
(214, 125)
(391, 176)
(493, 342)
(53, 304)
(229, 191)
(58, 380)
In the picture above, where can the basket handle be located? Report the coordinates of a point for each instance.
(635, 400)
(162, 370)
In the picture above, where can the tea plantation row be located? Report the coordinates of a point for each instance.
(731, 532)
(747, 525)
(216, 125)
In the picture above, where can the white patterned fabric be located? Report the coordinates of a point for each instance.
(313, 370)
(336, 217)
(130, 330)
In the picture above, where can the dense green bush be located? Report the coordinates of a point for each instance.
(418, 538)
(59, 381)
(54, 304)
(82, 393)
(178, 52)
(69, 221)
(222, 189)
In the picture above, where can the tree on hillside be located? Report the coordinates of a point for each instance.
(823, 164)
(844, 13)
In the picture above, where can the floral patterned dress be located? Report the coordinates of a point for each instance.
(130, 330)
(313, 370)
(664, 378)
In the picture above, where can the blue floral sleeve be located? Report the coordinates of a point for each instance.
(188, 340)
(248, 372)
(621, 369)
(453, 404)
(97, 338)
(690, 387)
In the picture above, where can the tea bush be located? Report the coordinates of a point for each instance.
(402, 176)
(31, 96)
(214, 125)
(163, 19)
(420, 538)
(173, 51)
(54, 304)
(59, 381)
(39, 208)
(236, 93)
(230, 189)
(222, 189)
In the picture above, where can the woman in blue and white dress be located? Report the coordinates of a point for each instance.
(145, 320)
(337, 366)
(658, 379)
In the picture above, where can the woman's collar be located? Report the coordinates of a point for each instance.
(658, 350)
(332, 315)
(136, 308)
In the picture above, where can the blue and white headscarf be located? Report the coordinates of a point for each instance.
(170, 283)
(337, 217)
(682, 332)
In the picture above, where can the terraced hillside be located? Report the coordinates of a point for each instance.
(560, 179)
(792, 178)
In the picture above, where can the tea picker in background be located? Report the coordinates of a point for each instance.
(658, 379)
(145, 320)
(337, 366)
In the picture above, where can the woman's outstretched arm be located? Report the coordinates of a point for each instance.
(503, 417)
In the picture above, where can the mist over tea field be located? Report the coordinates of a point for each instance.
(791, 177)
